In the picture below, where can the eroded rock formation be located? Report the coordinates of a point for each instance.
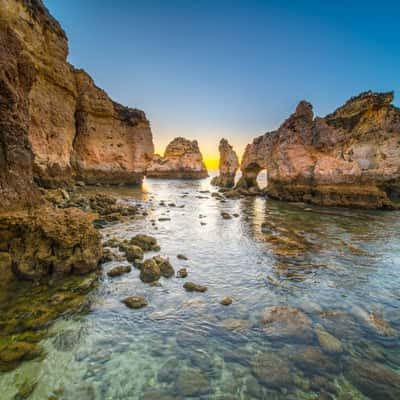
(74, 128)
(228, 165)
(349, 158)
(182, 159)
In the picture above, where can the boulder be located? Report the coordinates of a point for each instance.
(167, 271)
(119, 270)
(287, 323)
(193, 287)
(150, 271)
(135, 302)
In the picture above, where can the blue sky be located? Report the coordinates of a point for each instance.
(210, 69)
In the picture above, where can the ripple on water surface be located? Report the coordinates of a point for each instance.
(315, 312)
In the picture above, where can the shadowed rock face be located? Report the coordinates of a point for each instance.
(228, 165)
(351, 157)
(182, 159)
(75, 130)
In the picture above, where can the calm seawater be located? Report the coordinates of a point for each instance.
(338, 266)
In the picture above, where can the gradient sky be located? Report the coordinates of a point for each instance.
(235, 69)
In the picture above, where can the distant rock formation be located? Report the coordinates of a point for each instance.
(182, 160)
(228, 165)
(74, 129)
(348, 158)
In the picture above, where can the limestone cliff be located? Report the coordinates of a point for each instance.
(75, 129)
(182, 159)
(228, 165)
(350, 157)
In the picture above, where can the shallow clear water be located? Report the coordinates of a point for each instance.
(336, 265)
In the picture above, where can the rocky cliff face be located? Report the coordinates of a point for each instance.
(75, 130)
(351, 157)
(228, 165)
(182, 159)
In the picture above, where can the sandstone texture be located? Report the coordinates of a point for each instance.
(75, 130)
(182, 160)
(348, 158)
(48, 242)
(228, 165)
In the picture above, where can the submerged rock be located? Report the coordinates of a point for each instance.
(119, 270)
(150, 271)
(374, 380)
(181, 257)
(228, 165)
(328, 342)
(135, 302)
(182, 159)
(283, 322)
(192, 383)
(271, 370)
(193, 287)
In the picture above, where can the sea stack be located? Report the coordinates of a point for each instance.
(182, 160)
(348, 158)
(228, 165)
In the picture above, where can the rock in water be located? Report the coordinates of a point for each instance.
(375, 380)
(348, 158)
(165, 266)
(182, 159)
(271, 370)
(135, 302)
(50, 242)
(150, 271)
(193, 287)
(117, 271)
(228, 165)
(283, 322)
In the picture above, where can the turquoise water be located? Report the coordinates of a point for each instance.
(338, 267)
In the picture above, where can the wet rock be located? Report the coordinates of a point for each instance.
(328, 342)
(373, 379)
(235, 324)
(162, 219)
(145, 242)
(226, 301)
(167, 271)
(135, 302)
(182, 273)
(225, 215)
(193, 287)
(117, 271)
(6, 274)
(150, 271)
(181, 257)
(283, 322)
(271, 370)
(192, 382)
(53, 242)
(132, 252)
(12, 354)
(67, 340)
(158, 395)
